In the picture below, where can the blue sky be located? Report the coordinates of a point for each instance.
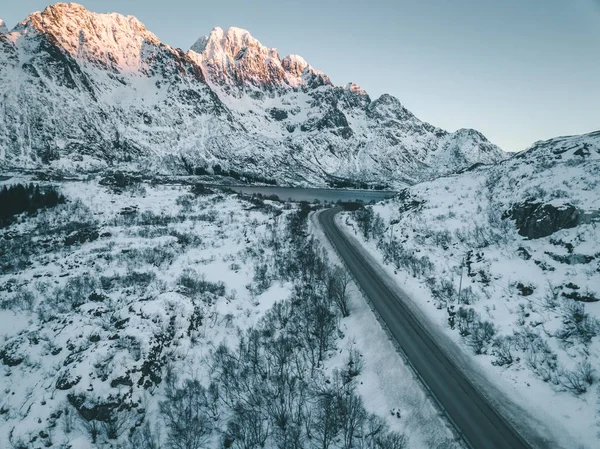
(516, 70)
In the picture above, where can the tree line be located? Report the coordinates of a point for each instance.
(19, 198)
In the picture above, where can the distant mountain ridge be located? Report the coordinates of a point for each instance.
(84, 91)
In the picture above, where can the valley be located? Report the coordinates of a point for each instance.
(220, 247)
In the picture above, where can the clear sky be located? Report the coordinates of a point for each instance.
(516, 70)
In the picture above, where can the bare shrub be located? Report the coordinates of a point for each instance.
(195, 284)
(337, 289)
(539, 357)
(248, 428)
(575, 381)
(364, 219)
(551, 299)
(23, 300)
(577, 323)
(501, 349)
(580, 379)
(261, 279)
(74, 294)
(465, 317)
(354, 365)
(392, 440)
(481, 335)
(394, 252)
(185, 415)
(146, 437)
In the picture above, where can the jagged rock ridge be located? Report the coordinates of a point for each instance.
(88, 91)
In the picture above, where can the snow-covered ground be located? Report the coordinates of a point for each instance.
(387, 382)
(103, 298)
(506, 261)
(99, 308)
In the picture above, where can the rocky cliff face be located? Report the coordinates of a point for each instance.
(85, 91)
(561, 184)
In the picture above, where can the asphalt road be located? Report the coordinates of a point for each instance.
(480, 424)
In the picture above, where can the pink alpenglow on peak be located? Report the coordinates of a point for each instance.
(234, 57)
(226, 43)
(110, 40)
(294, 65)
(355, 89)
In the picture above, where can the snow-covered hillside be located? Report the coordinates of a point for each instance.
(507, 260)
(152, 316)
(84, 91)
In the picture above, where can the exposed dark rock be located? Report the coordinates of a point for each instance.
(65, 381)
(95, 411)
(525, 290)
(11, 358)
(129, 210)
(278, 114)
(523, 253)
(571, 259)
(584, 151)
(95, 338)
(567, 245)
(581, 297)
(97, 297)
(55, 351)
(536, 220)
(121, 324)
(408, 201)
(122, 380)
(544, 266)
(82, 235)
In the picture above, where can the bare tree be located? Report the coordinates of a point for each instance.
(184, 412)
(337, 289)
(392, 440)
(325, 426)
(352, 417)
(146, 438)
(249, 429)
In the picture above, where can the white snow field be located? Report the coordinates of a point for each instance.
(131, 290)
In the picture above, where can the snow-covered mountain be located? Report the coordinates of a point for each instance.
(3, 28)
(85, 91)
(506, 259)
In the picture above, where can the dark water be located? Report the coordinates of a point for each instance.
(312, 195)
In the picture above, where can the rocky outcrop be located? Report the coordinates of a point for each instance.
(535, 220)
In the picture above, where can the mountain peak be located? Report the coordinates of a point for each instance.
(112, 39)
(294, 64)
(235, 57)
(229, 42)
(3, 28)
(355, 89)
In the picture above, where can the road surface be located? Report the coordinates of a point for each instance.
(478, 423)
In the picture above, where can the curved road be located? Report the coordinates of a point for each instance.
(479, 424)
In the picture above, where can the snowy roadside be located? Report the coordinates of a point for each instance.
(521, 397)
(387, 384)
